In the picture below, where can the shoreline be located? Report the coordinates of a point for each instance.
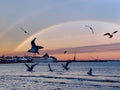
(64, 61)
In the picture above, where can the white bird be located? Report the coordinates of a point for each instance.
(90, 28)
(34, 47)
(110, 35)
(30, 68)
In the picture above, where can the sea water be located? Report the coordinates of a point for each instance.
(106, 76)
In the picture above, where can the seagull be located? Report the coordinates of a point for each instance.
(25, 31)
(65, 66)
(90, 72)
(50, 69)
(30, 69)
(110, 35)
(90, 28)
(34, 48)
(65, 52)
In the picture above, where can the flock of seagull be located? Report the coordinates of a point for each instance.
(65, 67)
(106, 34)
(30, 68)
(35, 49)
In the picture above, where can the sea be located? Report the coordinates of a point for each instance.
(106, 76)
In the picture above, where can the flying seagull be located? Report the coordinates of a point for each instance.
(65, 66)
(50, 69)
(34, 47)
(25, 31)
(110, 35)
(90, 28)
(65, 52)
(30, 68)
(90, 72)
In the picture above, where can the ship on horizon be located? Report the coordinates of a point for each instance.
(29, 59)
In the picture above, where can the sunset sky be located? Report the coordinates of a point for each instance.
(59, 25)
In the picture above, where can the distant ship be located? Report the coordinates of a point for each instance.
(44, 58)
(26, 59)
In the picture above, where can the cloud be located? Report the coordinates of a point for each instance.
(87, 49)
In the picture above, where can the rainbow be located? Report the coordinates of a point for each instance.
(21, 20)
(54, 26)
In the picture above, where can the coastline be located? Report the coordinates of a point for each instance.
(30, 61)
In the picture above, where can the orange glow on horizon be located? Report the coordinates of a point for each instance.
(50, 29)
(70, 35)
(79, 56)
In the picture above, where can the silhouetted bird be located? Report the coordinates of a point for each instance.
(30, 68)
(110, 35)
(25, 31)
(34, 47)
(50, 69)
(90, 28)
(90, 72)
(66, 65)
(65, 52)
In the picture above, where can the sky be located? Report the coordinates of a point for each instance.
(59, 25)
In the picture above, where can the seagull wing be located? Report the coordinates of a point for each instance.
(25, 31)
(33, 42)
(90, 28)
(33, 66)
(37, 48)
(107, 34)
(49, 67)
(40, 47)
(27, 66)
(67, 63)
(63, 66)
(114, 32)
